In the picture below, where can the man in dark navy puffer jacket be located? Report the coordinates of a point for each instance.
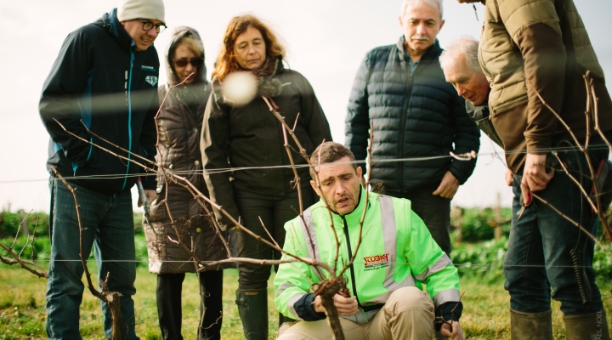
(103, 88)
(401, 90)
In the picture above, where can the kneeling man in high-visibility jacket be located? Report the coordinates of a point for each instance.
(390, 256)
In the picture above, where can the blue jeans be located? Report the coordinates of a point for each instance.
(539, 264)
(108, 225)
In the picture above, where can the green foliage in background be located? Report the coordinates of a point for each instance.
(39, 221)
(9, 228)
(41, 248)
(10, 221)
(482, 260)
(602, 263)
(478, 224)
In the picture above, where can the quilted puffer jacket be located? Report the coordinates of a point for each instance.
(414, 115)
(176, 213)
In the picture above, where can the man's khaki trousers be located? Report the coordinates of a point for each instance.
(408, 314)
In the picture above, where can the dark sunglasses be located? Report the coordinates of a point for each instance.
(195, 62)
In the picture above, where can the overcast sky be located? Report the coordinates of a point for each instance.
(326, 40)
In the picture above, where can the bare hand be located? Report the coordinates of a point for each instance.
(457, 332)
(535, 176)
(509, 178)
(345, 306)
(151, 196)
(448, 187)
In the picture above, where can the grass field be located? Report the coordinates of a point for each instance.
(22, 312)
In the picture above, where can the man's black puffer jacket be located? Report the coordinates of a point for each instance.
(414, 116)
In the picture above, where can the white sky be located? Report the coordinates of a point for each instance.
(326, 40)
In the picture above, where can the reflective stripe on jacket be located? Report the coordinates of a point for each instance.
(396, 250)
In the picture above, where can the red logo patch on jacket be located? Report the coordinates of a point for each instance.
(376, 261)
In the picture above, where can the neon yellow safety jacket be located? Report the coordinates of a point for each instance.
(394, 249)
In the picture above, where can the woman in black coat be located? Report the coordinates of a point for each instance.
(247, 135)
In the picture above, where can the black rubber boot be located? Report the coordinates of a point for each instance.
(253, 309)
(587, 326)
(530, 326)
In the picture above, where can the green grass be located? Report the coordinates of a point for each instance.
(22, 308)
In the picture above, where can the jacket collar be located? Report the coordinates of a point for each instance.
(110, 22)
(432, 52)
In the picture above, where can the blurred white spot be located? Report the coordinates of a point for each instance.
(239, 88)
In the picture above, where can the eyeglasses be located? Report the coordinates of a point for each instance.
(148, 25)
(195, 62)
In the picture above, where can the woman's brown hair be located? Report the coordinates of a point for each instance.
(226, 63)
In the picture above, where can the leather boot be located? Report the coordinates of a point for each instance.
(530, 326)
(282, 319)
(587, 326)
(253, 309)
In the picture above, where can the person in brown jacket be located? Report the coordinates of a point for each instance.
(249, 139)
(534, 54)
(176, 214)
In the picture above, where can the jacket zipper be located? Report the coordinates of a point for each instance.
(403, 115)
(350, 256)
(129, 97)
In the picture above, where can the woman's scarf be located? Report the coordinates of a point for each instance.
(268, 86)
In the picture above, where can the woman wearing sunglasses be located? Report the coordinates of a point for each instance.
(176, 214)
(250, 136)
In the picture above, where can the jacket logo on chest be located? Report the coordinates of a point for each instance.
(376, 262)
(151, 80)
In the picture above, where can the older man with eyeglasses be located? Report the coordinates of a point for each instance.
(537, 56)
(103, 89)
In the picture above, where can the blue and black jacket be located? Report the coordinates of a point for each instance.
(103, 90)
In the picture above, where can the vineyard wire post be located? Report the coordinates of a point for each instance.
(457, 215)
(498, 221)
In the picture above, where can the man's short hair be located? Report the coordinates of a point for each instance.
(466, 46)
(329, 152)
(432, 3)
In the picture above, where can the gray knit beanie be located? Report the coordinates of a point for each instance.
(141, 9)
